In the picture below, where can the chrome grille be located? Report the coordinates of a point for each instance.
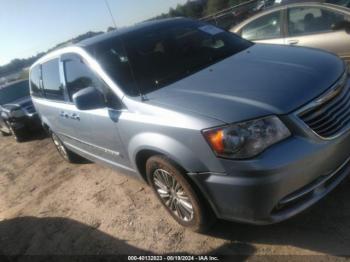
(330, 114)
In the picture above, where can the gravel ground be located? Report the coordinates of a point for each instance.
(48, 206)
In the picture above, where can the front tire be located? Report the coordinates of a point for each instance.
(64, 152)
(177, 195)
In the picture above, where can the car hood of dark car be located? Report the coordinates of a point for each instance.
(260, 81)
(22, 102)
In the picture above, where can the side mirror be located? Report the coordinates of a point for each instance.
(89, 98)
(342, 25)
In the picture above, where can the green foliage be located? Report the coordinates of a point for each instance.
(194, 9)
(110, 29)
(199, 8)
(236, 2)
(214, 6)
(24, 74)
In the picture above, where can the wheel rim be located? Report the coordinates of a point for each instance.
(60, 147)
(173, 195)
(10, 128)
(13, 133)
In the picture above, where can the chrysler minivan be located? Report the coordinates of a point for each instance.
(216, 125)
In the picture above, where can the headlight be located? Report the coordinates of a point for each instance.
(17, 113)
(247, 139)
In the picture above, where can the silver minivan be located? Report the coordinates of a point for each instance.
(216, 125)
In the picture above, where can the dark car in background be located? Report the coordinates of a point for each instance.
(17, 112)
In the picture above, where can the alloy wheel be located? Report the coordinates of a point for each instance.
(12, 132)
(173, 195)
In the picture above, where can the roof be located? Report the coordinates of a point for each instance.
(123, 31)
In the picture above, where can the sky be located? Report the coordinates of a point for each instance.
(28, 27)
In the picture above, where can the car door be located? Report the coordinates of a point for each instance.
(267, 28)
(312, 26)
(97, 130)
(52, 103)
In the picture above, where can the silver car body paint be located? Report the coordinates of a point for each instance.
(260, 81)
(333, 41)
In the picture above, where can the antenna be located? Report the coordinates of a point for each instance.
(110, 12)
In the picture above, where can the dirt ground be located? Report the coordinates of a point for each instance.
(50, 207)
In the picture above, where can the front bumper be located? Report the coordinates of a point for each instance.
(282, 182)
(30, 122)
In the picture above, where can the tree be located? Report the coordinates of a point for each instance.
(176, 12)
(24, 74)
(111, 28)
(193, 9)
(235, 2)
(214, 6)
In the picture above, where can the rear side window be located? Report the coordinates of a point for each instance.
(52, 85)
(311, 20)
(35, 77)
(265, 27)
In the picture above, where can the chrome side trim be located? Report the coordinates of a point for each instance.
(99, 158)
(111, 152)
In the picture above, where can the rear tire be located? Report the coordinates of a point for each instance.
(64, 152)
(177, 194)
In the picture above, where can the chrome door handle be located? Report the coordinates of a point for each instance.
(64, 114)
(75, 117)
(293, 42)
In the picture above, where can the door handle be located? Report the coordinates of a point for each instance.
(75, 117)
(64, 114)
(293, 42)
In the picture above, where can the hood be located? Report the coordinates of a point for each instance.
(262, 80)
(23, 102)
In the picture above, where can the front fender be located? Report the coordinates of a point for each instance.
(165, 145)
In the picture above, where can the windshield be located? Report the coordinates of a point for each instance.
(156, 57)
(13, 92)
